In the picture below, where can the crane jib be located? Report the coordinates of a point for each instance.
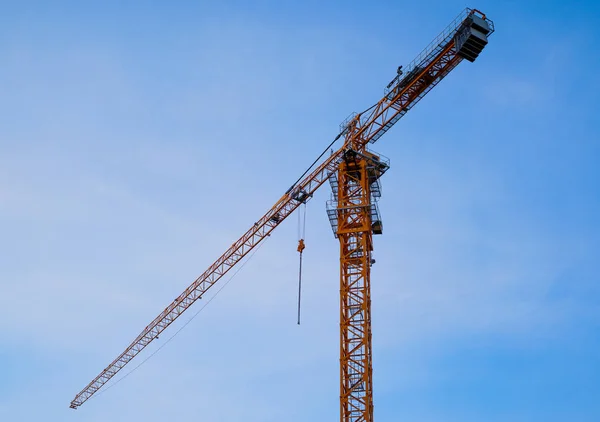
(464, 38)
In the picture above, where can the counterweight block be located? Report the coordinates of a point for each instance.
(471, 38)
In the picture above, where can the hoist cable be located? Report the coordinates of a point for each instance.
(301, 246)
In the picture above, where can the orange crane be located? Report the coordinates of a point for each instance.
(353, 172)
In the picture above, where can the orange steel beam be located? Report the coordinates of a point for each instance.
(430, 67)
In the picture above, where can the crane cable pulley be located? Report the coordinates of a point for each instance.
(301, 246)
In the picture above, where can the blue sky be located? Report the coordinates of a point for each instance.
(138, 140)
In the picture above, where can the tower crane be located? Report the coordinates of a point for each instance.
(353, 172)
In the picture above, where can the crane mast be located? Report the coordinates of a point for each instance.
(353, 212)
(353, 172)
(354, 228)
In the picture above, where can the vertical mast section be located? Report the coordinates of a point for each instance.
(355, 218)
(354, 233)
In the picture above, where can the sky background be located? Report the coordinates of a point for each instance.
(138, 140)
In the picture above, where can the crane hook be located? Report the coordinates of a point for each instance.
(301, 246)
